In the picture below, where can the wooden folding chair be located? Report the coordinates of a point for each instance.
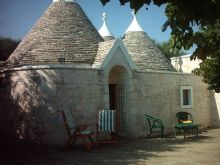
(76, 132)
(107, 124)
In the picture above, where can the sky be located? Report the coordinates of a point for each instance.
(17, 17)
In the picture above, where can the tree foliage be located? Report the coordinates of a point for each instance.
(192, 22)
(166, 47)
(210, 70)
(7, 46)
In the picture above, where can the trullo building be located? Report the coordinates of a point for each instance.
(64, 63)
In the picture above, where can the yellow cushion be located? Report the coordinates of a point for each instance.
(186, 121)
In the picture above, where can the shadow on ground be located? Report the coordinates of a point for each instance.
(126, 151)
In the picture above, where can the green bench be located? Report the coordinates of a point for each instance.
(155, 125)
(186, 127)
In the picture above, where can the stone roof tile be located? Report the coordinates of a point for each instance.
(103, 50)
(144, 53)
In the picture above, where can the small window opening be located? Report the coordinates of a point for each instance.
(186, 99)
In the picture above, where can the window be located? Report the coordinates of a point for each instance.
(186, 97)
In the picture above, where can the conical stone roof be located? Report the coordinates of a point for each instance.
(63, 31)
(144, 53)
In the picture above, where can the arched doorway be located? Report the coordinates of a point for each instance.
(118, 85)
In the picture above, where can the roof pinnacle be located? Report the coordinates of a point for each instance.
(104, 30)
(64, 1)
(134, 26)
(104, 17)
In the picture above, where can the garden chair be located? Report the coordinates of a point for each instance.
(184, 117)
(76, 132)
(155, 125)
(107, 124)
(185, 123)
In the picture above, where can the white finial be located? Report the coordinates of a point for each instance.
(70, 1)
(133, 13)
(104, 17)
(64, 0)
(134, 26)
(104, 31)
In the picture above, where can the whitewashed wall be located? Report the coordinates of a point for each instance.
(42, 93)
(158, 94)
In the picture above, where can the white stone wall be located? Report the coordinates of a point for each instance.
(158, 94)
(40, 95)
(216, 105)
(184, 64)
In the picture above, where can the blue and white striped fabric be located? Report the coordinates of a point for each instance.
(107, 120)
(69, 118)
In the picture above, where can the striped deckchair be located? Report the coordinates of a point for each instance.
(107, 124)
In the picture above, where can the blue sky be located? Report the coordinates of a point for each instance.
(18, 16)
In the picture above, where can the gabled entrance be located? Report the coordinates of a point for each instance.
(118, 84)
